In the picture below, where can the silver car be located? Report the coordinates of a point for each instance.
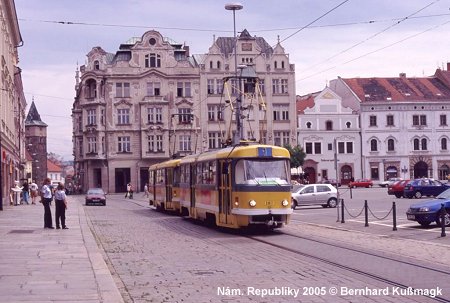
(314, 194)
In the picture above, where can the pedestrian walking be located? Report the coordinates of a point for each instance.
(60, 207)
(129, 193)
(146, 193)
(34, 192)
(25, 192)
(46, 194)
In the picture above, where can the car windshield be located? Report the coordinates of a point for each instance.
(262, 172)
(444, 195)
(95, 191)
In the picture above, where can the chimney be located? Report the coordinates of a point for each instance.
(402, 75)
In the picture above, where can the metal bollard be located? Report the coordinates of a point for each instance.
(394, 216)
(342, 211)
(442, 214)
(351, 196)
(366, 213)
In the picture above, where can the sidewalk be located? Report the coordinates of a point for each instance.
(51, 265)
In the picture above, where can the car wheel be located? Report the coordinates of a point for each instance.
(398, 196)
(446, 219)
(424, 223)
(332, 203)
(418, 194)
(104, 203)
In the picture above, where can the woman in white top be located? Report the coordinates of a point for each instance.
(60, 206)
(46, 194)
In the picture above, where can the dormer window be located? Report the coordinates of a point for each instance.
(152, 60)
(96, 65)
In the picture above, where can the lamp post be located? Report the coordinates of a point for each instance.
(235, 6)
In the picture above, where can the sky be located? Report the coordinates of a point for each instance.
(325, 39)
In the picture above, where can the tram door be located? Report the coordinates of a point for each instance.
(224, 191)
(169, 184)
(193, 179)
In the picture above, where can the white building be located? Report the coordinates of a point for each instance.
(329, 133)
(405, 128)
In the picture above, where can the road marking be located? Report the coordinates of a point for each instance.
(404, 226)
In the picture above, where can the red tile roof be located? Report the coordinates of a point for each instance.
(52, 167)
(306, 101)
(401, 88)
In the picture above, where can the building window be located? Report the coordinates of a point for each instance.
(159, 143)
(373, 145)
(330, 146)
(185, 143)
(123, 90)
(313, 148)
(443, 120)
(91, 117)
(184, 115)
(262, 87)
(308, 125)
(419, 120)
(416, 144)
(345, 147)
(210, 86)
(155, 143)
(214, 140)
(280, 112)
(348, 124)
(219, 86)
(96, 65)
(373, 121)
(152, 60)
(124, 145)
(154, 115)
(328, 125)
(123, 116)
(444, 144)
(183, 89)
(102, 117)
(424, 144)
(153, 88)
(151, 143)
(284, 86)
(390, 120)
(92, 145)
(391, 145)
(275, 86)
(281, 138)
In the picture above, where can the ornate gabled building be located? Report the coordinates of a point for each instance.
(151, 100)
(36, 144)
(404, 124)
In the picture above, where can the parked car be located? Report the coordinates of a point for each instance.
(429, 211)
(333, 182)
(314, 194)
(424, 187)
(95, 196)
(397, 188)
(390, 181)
(360, 183)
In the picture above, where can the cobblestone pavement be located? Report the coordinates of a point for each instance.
(161, 258)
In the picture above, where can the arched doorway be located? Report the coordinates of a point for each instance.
(310, 175)
(420, 170)
(346, 174)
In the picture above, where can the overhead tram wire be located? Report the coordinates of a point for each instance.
(372, 36)
(375, 51)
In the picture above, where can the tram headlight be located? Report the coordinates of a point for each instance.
(285, 203)
(252, 203)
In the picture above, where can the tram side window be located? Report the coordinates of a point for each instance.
(160, 176)
(209, 172)
(199, 173)
(176, 175)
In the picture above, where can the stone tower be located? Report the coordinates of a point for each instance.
(36, 144)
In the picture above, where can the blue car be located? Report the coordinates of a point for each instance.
(429, 211)
(424, 187)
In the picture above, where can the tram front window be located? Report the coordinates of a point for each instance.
(259, 172)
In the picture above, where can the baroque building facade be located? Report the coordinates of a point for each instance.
(12, 103)
(152, 100)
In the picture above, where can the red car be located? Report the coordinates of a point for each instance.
(360, 183)
(397, 188)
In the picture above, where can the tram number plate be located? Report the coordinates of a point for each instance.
(411, 217)
(268, 203)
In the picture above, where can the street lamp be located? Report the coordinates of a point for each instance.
(235, 6)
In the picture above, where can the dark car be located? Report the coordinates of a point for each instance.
(429, 211)
(95, 196)
(397, 188)
(360, 183)
(424, 187)
(333, 182)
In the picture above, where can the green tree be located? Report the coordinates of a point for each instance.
(297, 155)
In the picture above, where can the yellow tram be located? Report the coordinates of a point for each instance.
(234, 187)
(163, 185)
